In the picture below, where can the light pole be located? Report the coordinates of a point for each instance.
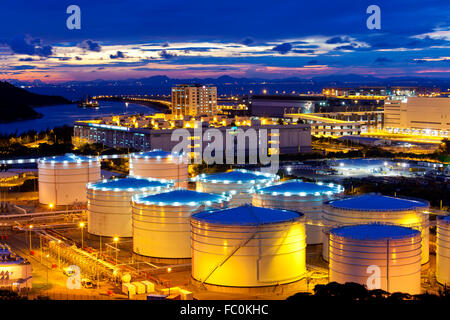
(116, 240)
(82, 227)
(30, 227)
(59, 255)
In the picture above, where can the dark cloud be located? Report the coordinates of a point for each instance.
(31, 46)
(165, 45)
(78, 58)
(27, 59)
(118, 55)
(166, 55)
(336, 40)
(23, 67)
(90, 45)
(247, 41)
(314, 61)
(282, 48)
(351, 46)
(382, 60)
(303, 51)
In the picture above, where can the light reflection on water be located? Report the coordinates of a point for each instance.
(60, 115)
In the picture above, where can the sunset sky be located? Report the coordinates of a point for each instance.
(183, 39)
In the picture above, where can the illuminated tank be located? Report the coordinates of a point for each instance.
(160, 165)
(386, 257)
(304, 197)
(63, 179)
(248, 246)
(377, 208)
(161, 226)
(109, 203)
(238, 183)
(443, 250)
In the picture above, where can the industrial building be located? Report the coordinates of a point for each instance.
(194, 100)
(15, 271)
(327, 127)
(278, 105)
(443, 250)
(418, 116)
(371, 208)
(109, 203)
(299, 196)
(161, 229)
(160, 164)
(385, 257)
(63, 179)
(290, 138)
(238, 183)
(247, 247)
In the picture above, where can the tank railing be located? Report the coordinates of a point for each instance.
(242, 244)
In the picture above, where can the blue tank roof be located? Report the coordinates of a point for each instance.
(378, 203)
(298, 187)
(68, 157)
(374, 231)
(131, 183)
(157, 153)
(237, 176)
(445, 218)
(247, 216)
(180, 197)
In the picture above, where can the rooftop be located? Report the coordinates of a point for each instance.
(301, 188)
(68, 158)
(237, 176)
(180, 197)
(374, 231)
(378, 203)
(130, 184)
(247, 216)
(156, 153)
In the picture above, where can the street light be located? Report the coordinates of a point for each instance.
(30, 227)
(116, 240)
(59, 255)
(82, 227)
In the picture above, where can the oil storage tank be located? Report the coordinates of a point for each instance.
(386, 257)
(63, 179)
(161, 228)
(443, 250)
(377, 208)
(160, 165)
(238, 183)
(247, 247)
(304, 197)
(109, 203)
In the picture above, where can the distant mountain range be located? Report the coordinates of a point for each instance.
(226, 84)
(17, 104)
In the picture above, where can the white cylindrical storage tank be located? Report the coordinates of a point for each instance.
(378, 256)
(377, 208)
(160, 164)
(161, 222)
(63, 179)
(305, 197)
(248, 247)
(238, 183)
(443, 250)
(109, 203)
